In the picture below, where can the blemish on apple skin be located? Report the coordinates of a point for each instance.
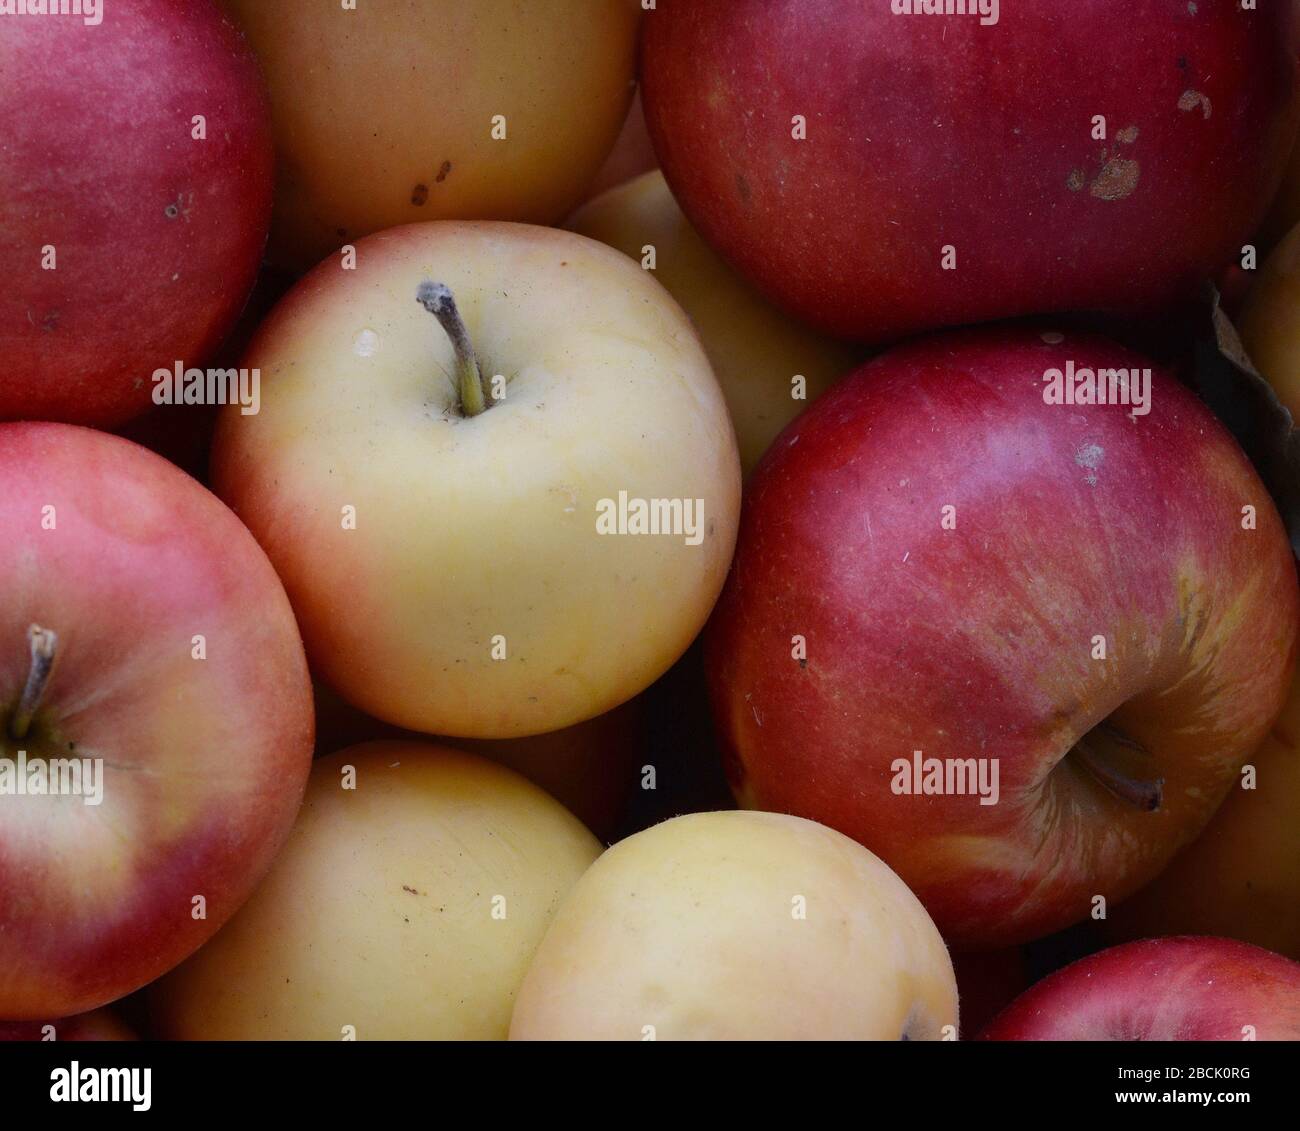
(366, 343)
(1089, 456)
(420, 195)
(1075, 181)
(1191, 99)
(442, 172)
(1128, 135)
(742, 187)
(1117, 179)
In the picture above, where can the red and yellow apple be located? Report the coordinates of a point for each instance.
(146, 643)
(879, 174)
(412, 110)
(940, 572)
(453, 556)
(738, 926)
(407, 904)
(1186, 988)
(127, 241)
(769, 367)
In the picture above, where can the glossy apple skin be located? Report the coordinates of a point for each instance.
(926, 132)
(977, 641)
(1241, 877)
(473, 528)
(204, 761)
(98, 1025)
(384, 115)
(755, 349)
(1185, 988)
(158, 236)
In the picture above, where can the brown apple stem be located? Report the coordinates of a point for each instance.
(1138, 792)
(44, 642)
(437, 299)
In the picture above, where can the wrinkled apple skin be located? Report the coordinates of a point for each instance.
(927, 132)
(1071, 522)
(157, 235)
(204, 760)
(1186, 988)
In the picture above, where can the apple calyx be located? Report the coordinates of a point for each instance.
(437, 299)
(44, 644)
(1141, 793)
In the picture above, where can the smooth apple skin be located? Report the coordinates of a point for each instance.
(1241, 877)
(756, 350)
(205, 761)
(98, 1025)
(407, 908)
(1186, 988)
(384, 115)
(694, 928)
(473, 528)
(926, 133)
(157, 235)
(976, 642)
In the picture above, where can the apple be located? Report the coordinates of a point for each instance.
(1185, 988)
(631, 156)
(1269, 322)
(879, 174)
(471, 565)
(1241, 877)
(1018, 649)
(98, 1025)
(128, 242)
(149, 658)
(738, 926)
(758, 354)
(436, 110)
(406, 906)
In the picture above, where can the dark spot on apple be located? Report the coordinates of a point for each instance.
(442, 172)
(50, 322)
(564, 262)
(407, 887)
(171, 212)
(419, 195)
(742, 187)
(803, 664)
(1074, 182)
(1182, 62)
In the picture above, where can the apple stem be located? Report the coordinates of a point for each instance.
(44, 642)
(1138, 792)
(437, 299)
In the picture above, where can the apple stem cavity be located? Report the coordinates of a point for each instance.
(1141, 793)
(44, 643)
(437, 299)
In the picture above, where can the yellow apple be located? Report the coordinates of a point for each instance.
(757, 352)
(738, 926)
(1241, 877)
(412, 110)
(486, 574)
(1270, 321)
(405, 908)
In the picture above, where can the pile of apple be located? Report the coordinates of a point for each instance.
(374, 665)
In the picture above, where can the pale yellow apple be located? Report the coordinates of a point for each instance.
(757, 352)
(411, 110)
(1269, 321)
(739, 926)
(406, 908)
(1241, 877)
(456, 574)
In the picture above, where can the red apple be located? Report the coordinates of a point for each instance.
(1096, 604)
(1186, 988)
(113, 564)
(154, 235)
(926, 133)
